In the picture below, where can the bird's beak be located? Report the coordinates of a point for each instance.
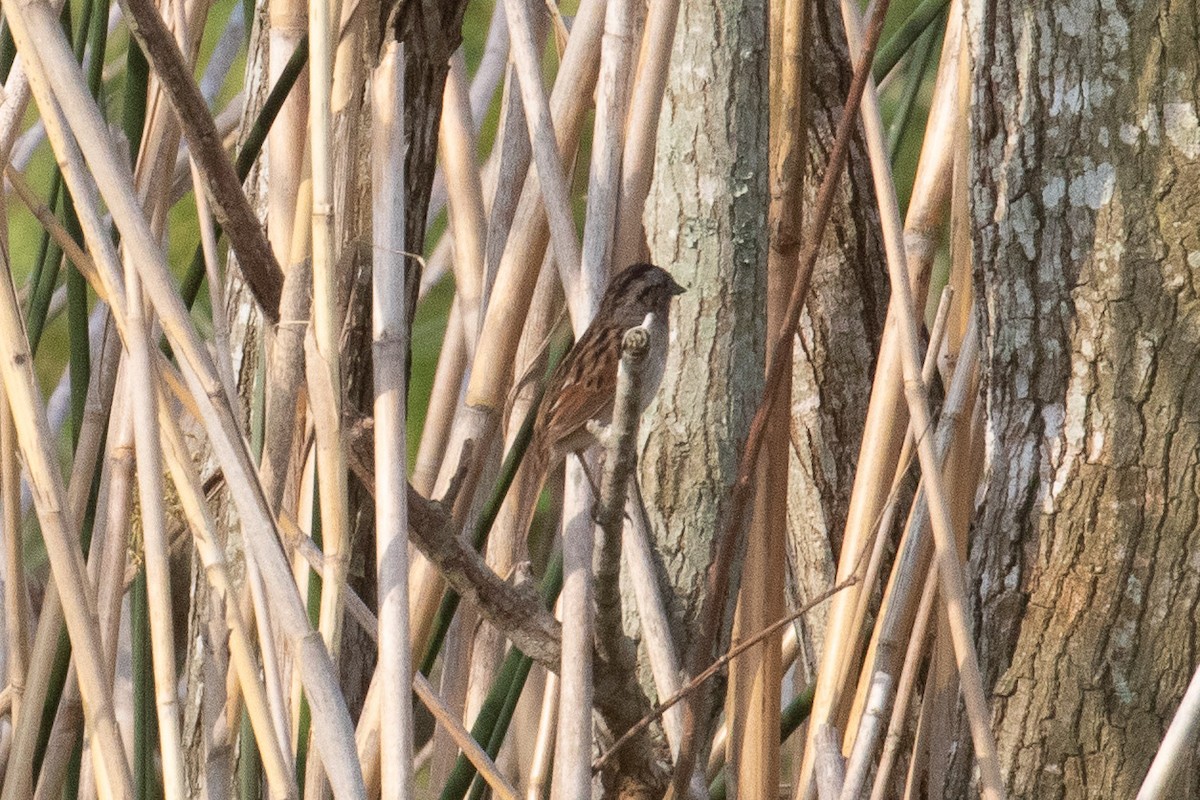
(676, 289)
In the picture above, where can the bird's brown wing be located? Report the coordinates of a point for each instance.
(581, 389)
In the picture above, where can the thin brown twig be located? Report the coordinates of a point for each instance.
(726, 547)
(733, 652)
(229, 202)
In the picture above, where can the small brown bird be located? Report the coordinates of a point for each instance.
(583, 386)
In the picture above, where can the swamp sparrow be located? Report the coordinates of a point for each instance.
(583, 386)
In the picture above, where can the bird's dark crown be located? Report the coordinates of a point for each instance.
(644, 284)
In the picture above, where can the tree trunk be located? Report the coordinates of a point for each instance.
(706, 222)
(1085, 181)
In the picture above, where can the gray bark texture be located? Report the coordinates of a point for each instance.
(1085, 181)
(706, 222)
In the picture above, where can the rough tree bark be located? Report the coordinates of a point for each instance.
(1085, 179)
(706, 222)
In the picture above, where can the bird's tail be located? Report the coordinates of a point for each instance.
(520, 505)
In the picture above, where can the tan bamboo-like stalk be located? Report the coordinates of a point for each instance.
(455, 687)
(452, 363)
(280, 774)
(16, 598)
(539, 769)
(18, 776)
(506, 169)
(114, 504)
(285, 422)
(468, 221)
(573, 748)
(350, 69)
(220, 322)
(913, 655)
(35, 22)
(106, 559)
(323, 358)
(753, 700)
(106, 551)
(109, 569)
(443, 399)
(665, 664)
(153, 515)
(885, 423)
(962, 228)
(574, 742)
(286, 406)
(65, 559)
(491, 65)
(507, 546)
(949, 564)
(488, 389)
(789, 650)
(887, 518)
(929, 202)
(869, 730)
(608, 142)
(549, 162)
(752, 707)
(487, 78)
(911, 564)
(637, 166)
(12, 109)
(390, 352)
(830, 768)
(153, 177)
(254, 597)
(286, 140)
(964, 460)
